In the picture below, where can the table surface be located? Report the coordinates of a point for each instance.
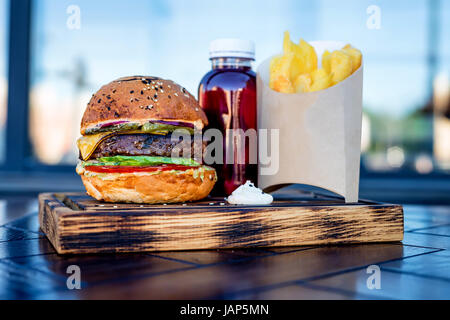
(418, 268)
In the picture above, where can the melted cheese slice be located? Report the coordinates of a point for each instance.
(88, 144)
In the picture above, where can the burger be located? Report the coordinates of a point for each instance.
(128, 142)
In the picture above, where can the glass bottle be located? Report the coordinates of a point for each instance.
(227, 94)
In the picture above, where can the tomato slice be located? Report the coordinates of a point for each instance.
(130, 169)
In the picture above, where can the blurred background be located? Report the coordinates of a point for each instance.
(55, 53)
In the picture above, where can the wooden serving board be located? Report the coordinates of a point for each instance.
(77, 224)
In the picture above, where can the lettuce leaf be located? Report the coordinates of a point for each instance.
(163, 128)
(149, 127)
(139, 161)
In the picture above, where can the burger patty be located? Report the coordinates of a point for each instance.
(143, 145)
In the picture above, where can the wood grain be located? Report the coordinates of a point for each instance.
(78, 224)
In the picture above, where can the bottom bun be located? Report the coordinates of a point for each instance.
(150, 188)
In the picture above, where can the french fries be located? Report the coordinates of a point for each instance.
(303, 83)
(356, 56)
(340, 66)
(320, 80)
(296, 70)
(326, 61)
(280, 67)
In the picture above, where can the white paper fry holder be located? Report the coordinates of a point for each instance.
(319, 132)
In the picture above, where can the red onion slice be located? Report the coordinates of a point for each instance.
(171, 123)
(175, 123)
(110, 124)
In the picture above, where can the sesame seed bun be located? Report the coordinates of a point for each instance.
(141, 99)
(165, 187)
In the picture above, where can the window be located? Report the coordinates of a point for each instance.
(407, 63)
(403, 130)
(3, 74)
(441, 90)
(119, 38)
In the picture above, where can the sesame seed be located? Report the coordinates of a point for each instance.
(176, 94)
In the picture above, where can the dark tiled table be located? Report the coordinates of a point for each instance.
(418, 268)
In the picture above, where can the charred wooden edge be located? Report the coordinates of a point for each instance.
(62, 201)
(58, 210)
(49, 208)
(320, 203)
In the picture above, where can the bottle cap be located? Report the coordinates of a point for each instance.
(232, 48)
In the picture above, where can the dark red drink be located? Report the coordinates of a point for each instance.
(228, 96)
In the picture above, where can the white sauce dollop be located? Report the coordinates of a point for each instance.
(249, 194)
